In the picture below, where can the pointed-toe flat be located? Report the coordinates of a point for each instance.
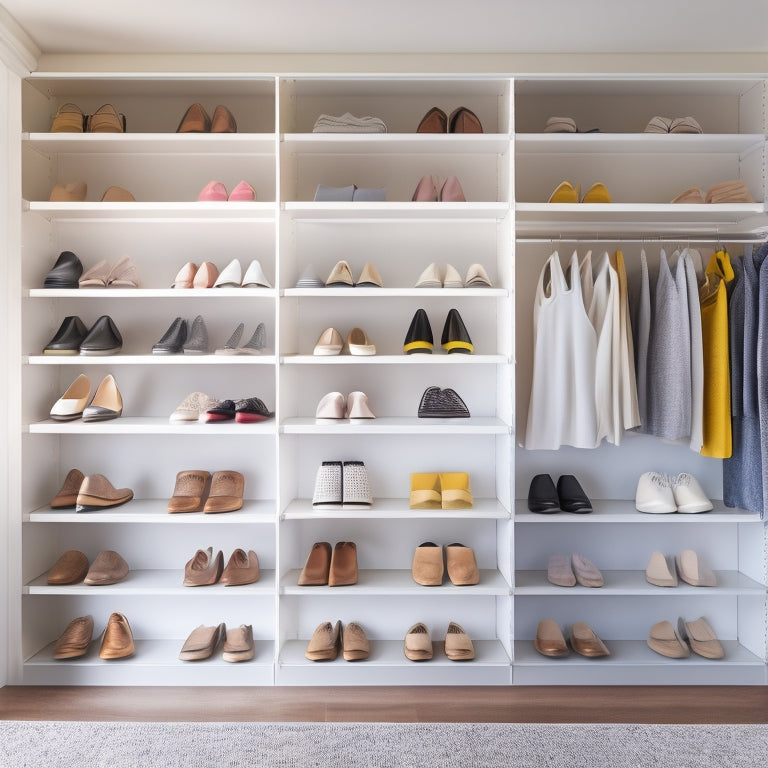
(197, 338)
(195, 120)
(72, 403)
(96, 276)
(213, 192)
(560, 571)
(70, 568)
(542, 495)
(358, 343)
(701, 637)
(254, 276)
(329, 343)
(370, 277)
(117, 640)
(103, 338)
(325, 642)
(68, 338)
(75, 639)
(452, 277)
(65, 273)
(341, 275)
(242, 193)
(107, 402)
(231, 276)
(463, 120)
(571, 496)
(455, 337)
(426, 190)
(451, 191)
(477, 277)
(419, 338)
(185, 276)
(663, 639)
(331, 406)
(238, 644)
(661, 571)
(343, 569)
(430, 278)
(435, 121)
(233, 342)
(223, 121)
(206, 276)
(358, 406)
(172, 341)
(202, 642)
(97, 493)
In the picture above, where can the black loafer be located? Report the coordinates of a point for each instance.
(542, 495)
(172, 341)
(102, 339)
(65, 272)
(572, 496)
(419, 336)
(455, 337)
(69, 337)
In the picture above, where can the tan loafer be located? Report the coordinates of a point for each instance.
(354, 642)
(458, 645)
(75, 639)
(324, 644)
(117, 641)
(343, 568)
(417, 645)
(461, 565)
(202, 642)
(106, 119)
(317, 568)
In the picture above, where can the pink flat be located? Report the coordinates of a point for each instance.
(452, 191)
(206, 276)
(213, 191)
(426, 191)
(243, 192)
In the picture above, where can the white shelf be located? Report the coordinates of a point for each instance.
(529, 583)
(624, 511)
(123, 359)
(395, 509)
(152, 293)
(397, 582)
(153, 143)
(361, 211)
(395, 143)
(393, 293)
(476, 425)
(137, 425)
(437, 358)
(154, 511)
(173, 211)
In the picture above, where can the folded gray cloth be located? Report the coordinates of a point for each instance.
(348, 123)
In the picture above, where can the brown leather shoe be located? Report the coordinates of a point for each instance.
(435, 121)
(242, 568)
(226, 494)
(238, 645)
(69, 119)
(106, 119)
(96, 493)
(354, 642)
(108, 568)
(461, 565)
(586, 642)
(427, 567)
(67, 495)
(202, 642)
(223, 121)
(75, 639)
(343, 570)
(324, 645)
(417, 645)
(189, 491)
(117, 641)
(463, 120)
(549, 639)
(70, 568)
(458, 645)
(203, 569)
(317, 568)
(195, 120)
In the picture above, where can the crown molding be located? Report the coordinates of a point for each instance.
(18, 50)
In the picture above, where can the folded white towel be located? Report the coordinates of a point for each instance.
(348, 123)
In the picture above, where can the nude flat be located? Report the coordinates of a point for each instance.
(425, 492)
(74, 192)
(560, 572)
(660, 571)
(463, 120)
(597, 193)
(663, 639)
(231, 276)
(550, 640)
(206, 276)
(72, 403)
(585, 642)
(451, 191)
(370, 277)
(694, 571)
(701, 637)
(223, 121)
(242, 193)
(107, 402)
(358, 343)
(358, 406)
(587, 574)
(238, 644)
(477, 277)
(226, 494)
(195, 120)
(341, 275)
(185, 276)
(452, 277)
(426, 190)
(329, 343)
(427, 567)
(461, 565)
(417, 645)
(331, 406)
(430, 278)
(123, 274)
(96, 276)
(189, 491)
(255, 277)
(458, 645)
(435, 121)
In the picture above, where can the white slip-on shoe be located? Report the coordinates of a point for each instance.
(654, 494)
(429, 278)
(661, 571)
(192, 406)
(359, 343)
(694, 571)
(231, 276)
(331, 406)
(72, 403)
(452, 278)
(689, 498)
(358, 407)
(329, 343)
(255, 277)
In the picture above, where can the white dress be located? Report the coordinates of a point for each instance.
(561, 410)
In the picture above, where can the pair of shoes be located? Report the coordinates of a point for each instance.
(564, 125)
(341, 275)
(207, 276)
(334, 406)
(203, 641)
(350, 193)
(248, 410)
(342, 484)
(455, 337)
(431, 189)
(328, 638)
(107, 403)
(566, 193)
(439, 403)
(568, 496)
(659, 124)
(197, 490)
(72, 567)
(440, 490)
(417, 645)
(690, 566)
(735, 191)
(192, 407)
(568, 570)
(461, 120)
(65, 273)
(216, 192)
(335, 568)
(89, 493)
(75, 192)
(196, 120)
(550, 640)
(73, 338)
(71, 119)
(116, 640)
(697, 636)
(476, 277)
(331, 343)
(257, 345)
(122, 274)
(176, 340)
(427, 568)
(658, 493)
(205, 569)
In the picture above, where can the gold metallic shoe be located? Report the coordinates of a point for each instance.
(550, 640)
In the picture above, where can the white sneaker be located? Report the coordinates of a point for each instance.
(654, 494)
(231, 276)
(255, 277)
(689, 497)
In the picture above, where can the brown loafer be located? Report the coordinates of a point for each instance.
(586, 642)
(458, 645)
(343, 569)
(318, 566)
(435, 121)
(226, 494)
(324, 645)
(417, 645)
(195, 120)
(354, 642)
(549, 639)
(427, 566)
(108, 568)
(238, 645)
(106, 119)
(96, 492)
(203, 569)
(67, 495)
(75, 639)
(202, 642)
(242, 568)
(70, 568)
(117, 641)
(189, 491)
(461, 565)
(69, 119)
(463, 120)
(223, 121)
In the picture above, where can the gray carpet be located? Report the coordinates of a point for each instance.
(36, 744)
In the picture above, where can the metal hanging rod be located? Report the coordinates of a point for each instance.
(645, 240)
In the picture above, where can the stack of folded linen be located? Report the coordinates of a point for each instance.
(348, 123)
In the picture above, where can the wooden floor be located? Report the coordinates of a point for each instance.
(653, 704)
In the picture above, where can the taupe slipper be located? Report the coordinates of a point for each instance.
(202, 642)
(458, 645)
(70, 568)
(587, 574)
(417, 645)
(109, 567)
(560, 572)
(226, 494)
(189, 491)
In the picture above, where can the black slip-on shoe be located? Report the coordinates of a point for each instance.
(197, 338)
(455, 337)
(542, 495)
(439, 403)
(172, 341)
(571, 495)
(102, 339)
(65, 272)
(419, 336)
(223, 411)
(69, 337)
(251, 410)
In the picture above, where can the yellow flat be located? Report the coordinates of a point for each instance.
(565, 193)
(425, 491)
(597, 193)
(455, 490)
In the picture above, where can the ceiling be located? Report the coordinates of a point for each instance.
(394, 26)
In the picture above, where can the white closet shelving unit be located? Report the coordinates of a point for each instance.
(506, 174)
